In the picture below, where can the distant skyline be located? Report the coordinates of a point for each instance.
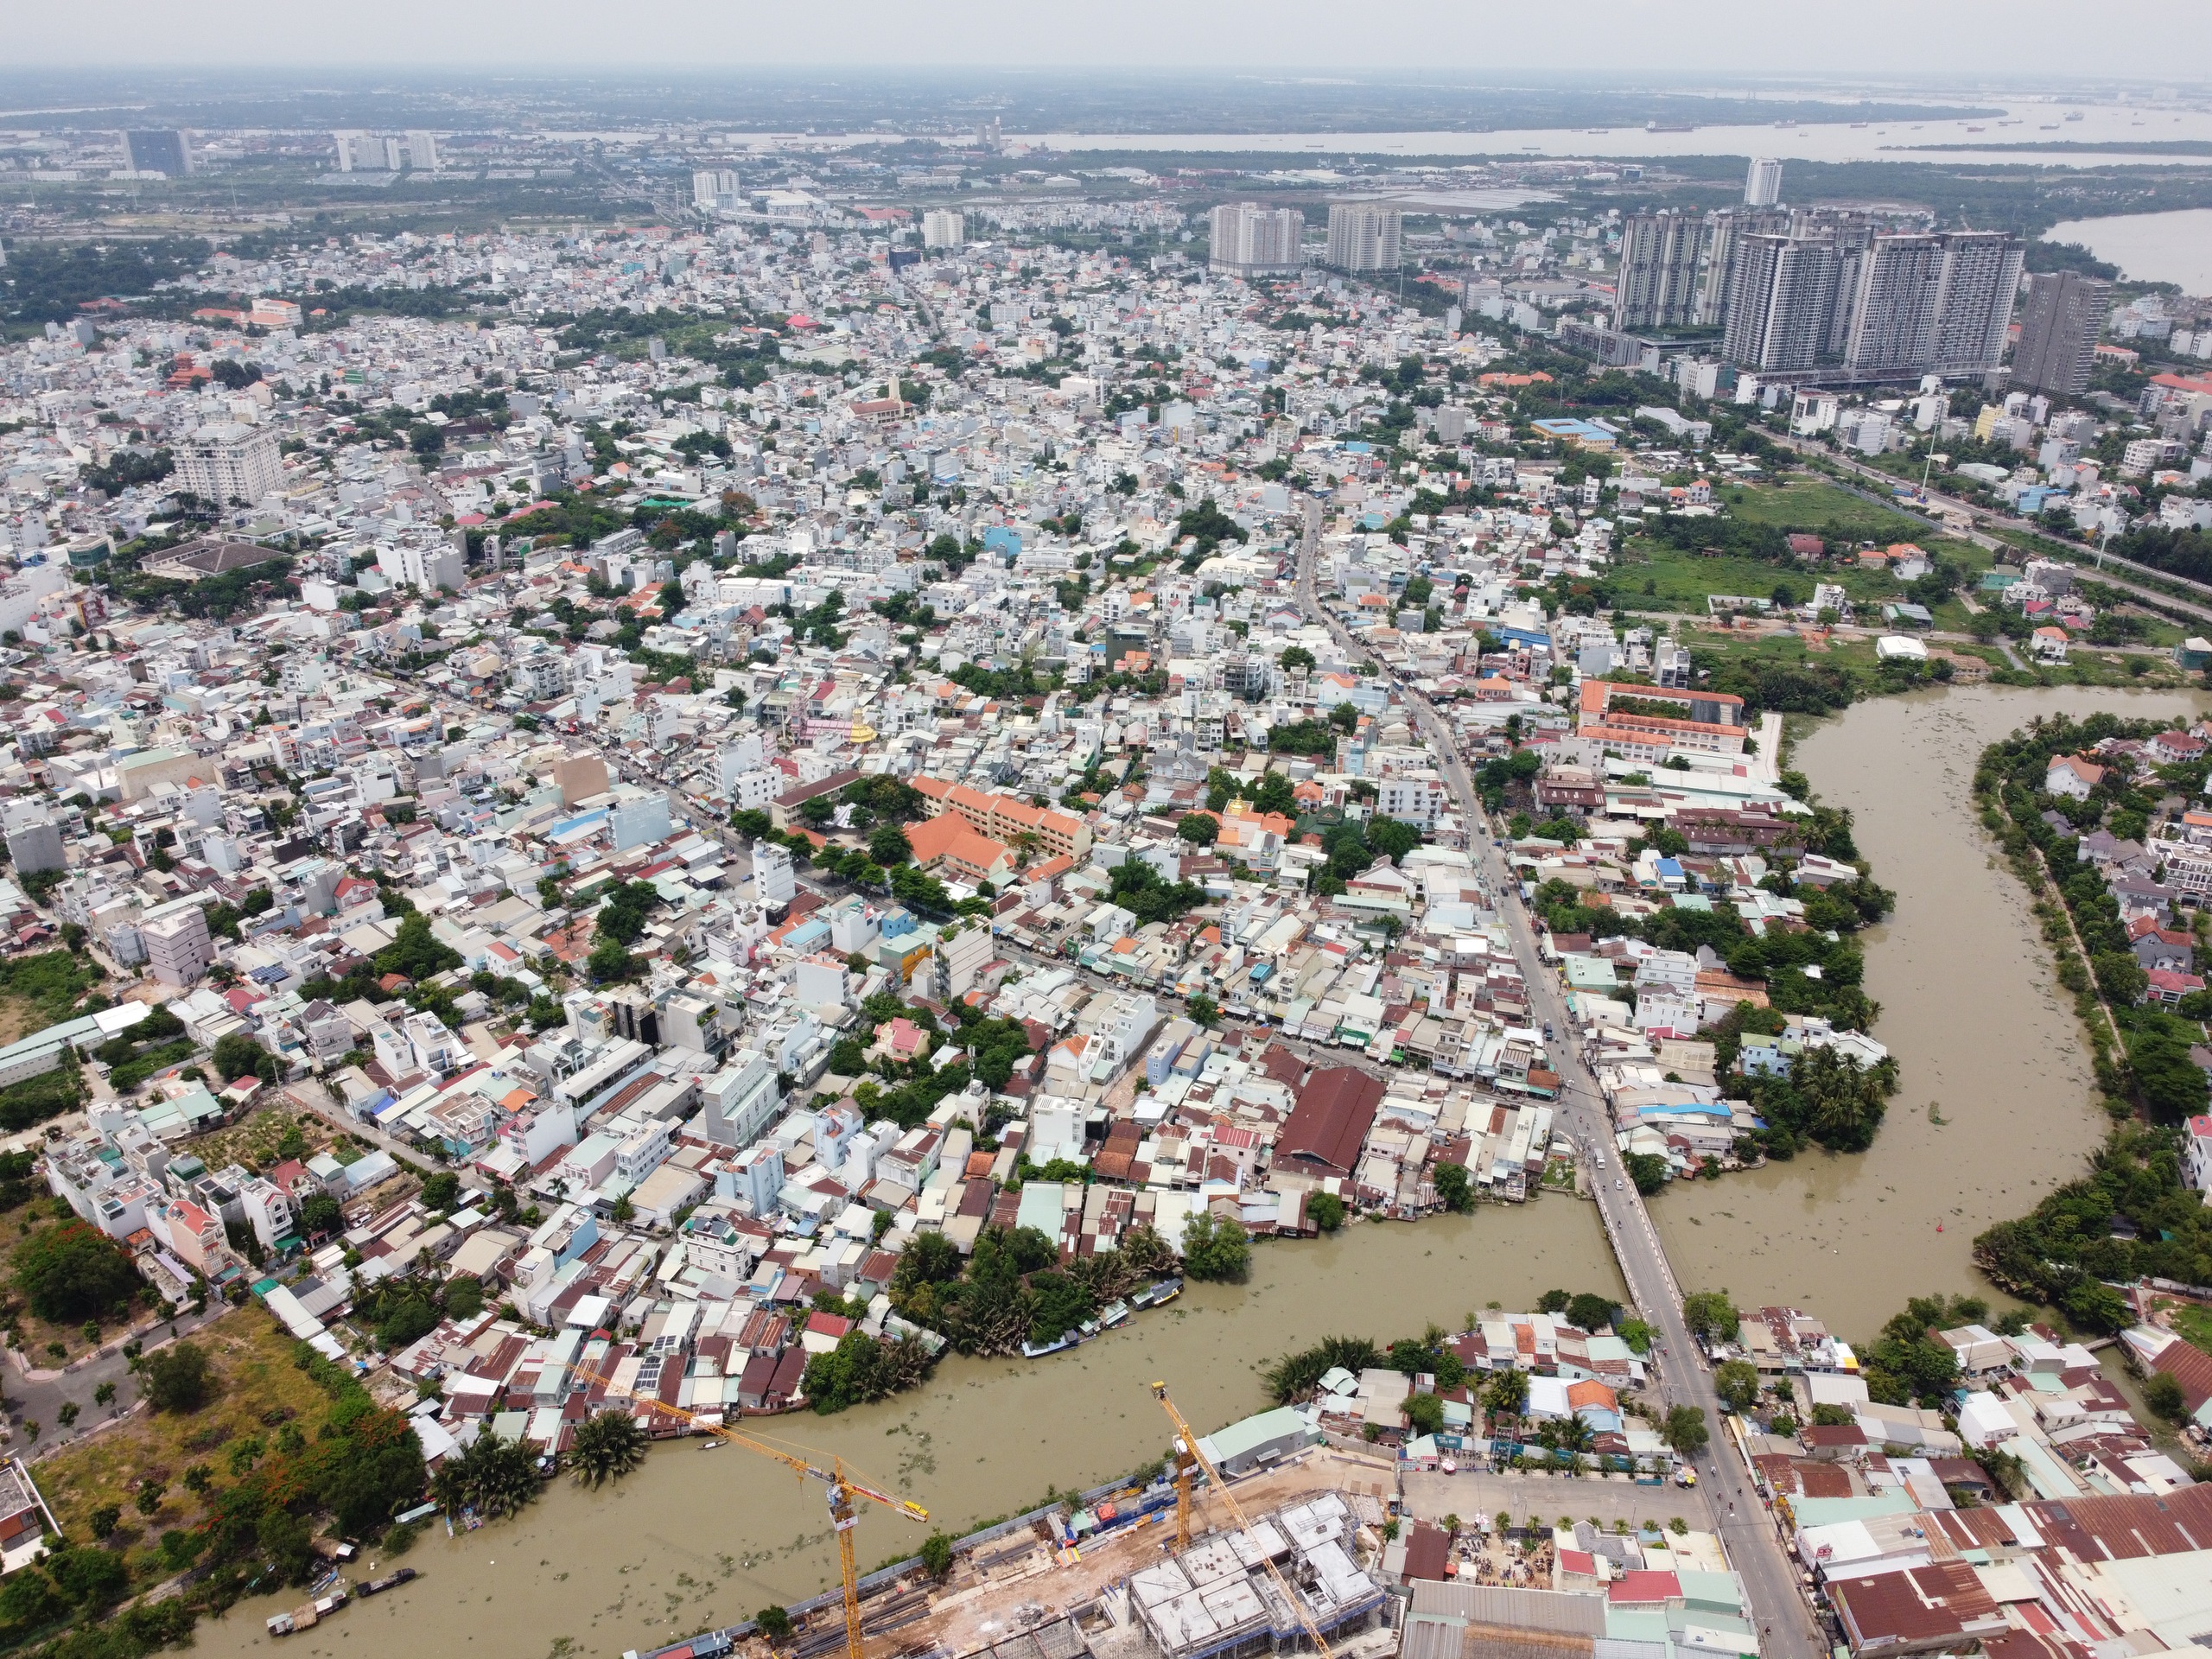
(1887, 39)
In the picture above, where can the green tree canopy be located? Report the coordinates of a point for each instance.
(73, 1272)
(1214, 1248)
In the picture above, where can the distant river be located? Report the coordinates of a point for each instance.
(2173, 247)
(1839, 140)
(1995, 1102)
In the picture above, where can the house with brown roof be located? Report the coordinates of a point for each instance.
(1926, 1609)
(1329, 1125)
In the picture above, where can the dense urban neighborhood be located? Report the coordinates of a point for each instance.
(619, 827)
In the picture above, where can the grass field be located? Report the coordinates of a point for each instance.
(2194, 1325)
(259, 1391)
(1658, 577)
(1801, 501)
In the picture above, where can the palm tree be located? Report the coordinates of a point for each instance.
(1574, 1437)
(1507, 1393)
(606, 1447)
(493, 1476)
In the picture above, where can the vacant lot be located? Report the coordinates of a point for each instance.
(1820, 508)
(258, 1392)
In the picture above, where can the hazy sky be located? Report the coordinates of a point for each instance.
(1902, 38)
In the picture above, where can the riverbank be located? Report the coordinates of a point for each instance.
(1996, 1103)
(692, 1542)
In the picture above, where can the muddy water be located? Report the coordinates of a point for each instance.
(699, 1539)
(1995, 1100)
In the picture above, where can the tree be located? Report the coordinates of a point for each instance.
(1453, 1188)
(1200, 829)
(1325, 1210)
(610, 964)
(442, 1190)
(937, 1553)
(1647, 1169)
(104, 1520)
(1215, 1249)
(1203, 1009)
(1686, 1430)
(1296, 657)
(1736, 1383)
(237, 1055)
(320, 1216)
(1424, 1414)
(775, 1623)
(150, 1496)
(72, 1272)
(888, 845)
(606, 1447)
(1591, 1312)
(177, 1378)
(2162, 1393)
(1711, 1316)
(492, 1475)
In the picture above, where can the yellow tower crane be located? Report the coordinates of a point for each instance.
(844, 1514)
(1186, 1453)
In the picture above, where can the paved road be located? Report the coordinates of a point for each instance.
(36, 1395)
(1770, 1580)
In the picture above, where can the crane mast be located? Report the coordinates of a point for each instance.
(1187, 1448)
(842, 1490)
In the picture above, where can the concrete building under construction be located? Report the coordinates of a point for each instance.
(1218, 1597)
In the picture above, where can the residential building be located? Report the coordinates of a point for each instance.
(1763, 183)
(2058, 333)
(1363, 237)
(1662, 261)
(177, 946)
(226, 463)
(1249, 240)
(167, 152)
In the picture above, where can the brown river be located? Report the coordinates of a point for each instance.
(1994, 1104)
(1994, 1100)
(699, 1539)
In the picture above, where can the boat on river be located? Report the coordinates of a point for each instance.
(307, 1614)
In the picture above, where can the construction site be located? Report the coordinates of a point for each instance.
(1188, 1567)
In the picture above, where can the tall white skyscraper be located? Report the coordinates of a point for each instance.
(1892, 323)
(1363, 237)
(354, 153)
(944, 228)
(1783, 299)
(1249, 240)
(715, 187)
(422, 151)
(1763, 185)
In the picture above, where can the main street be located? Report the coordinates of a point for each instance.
(1770, 1580)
